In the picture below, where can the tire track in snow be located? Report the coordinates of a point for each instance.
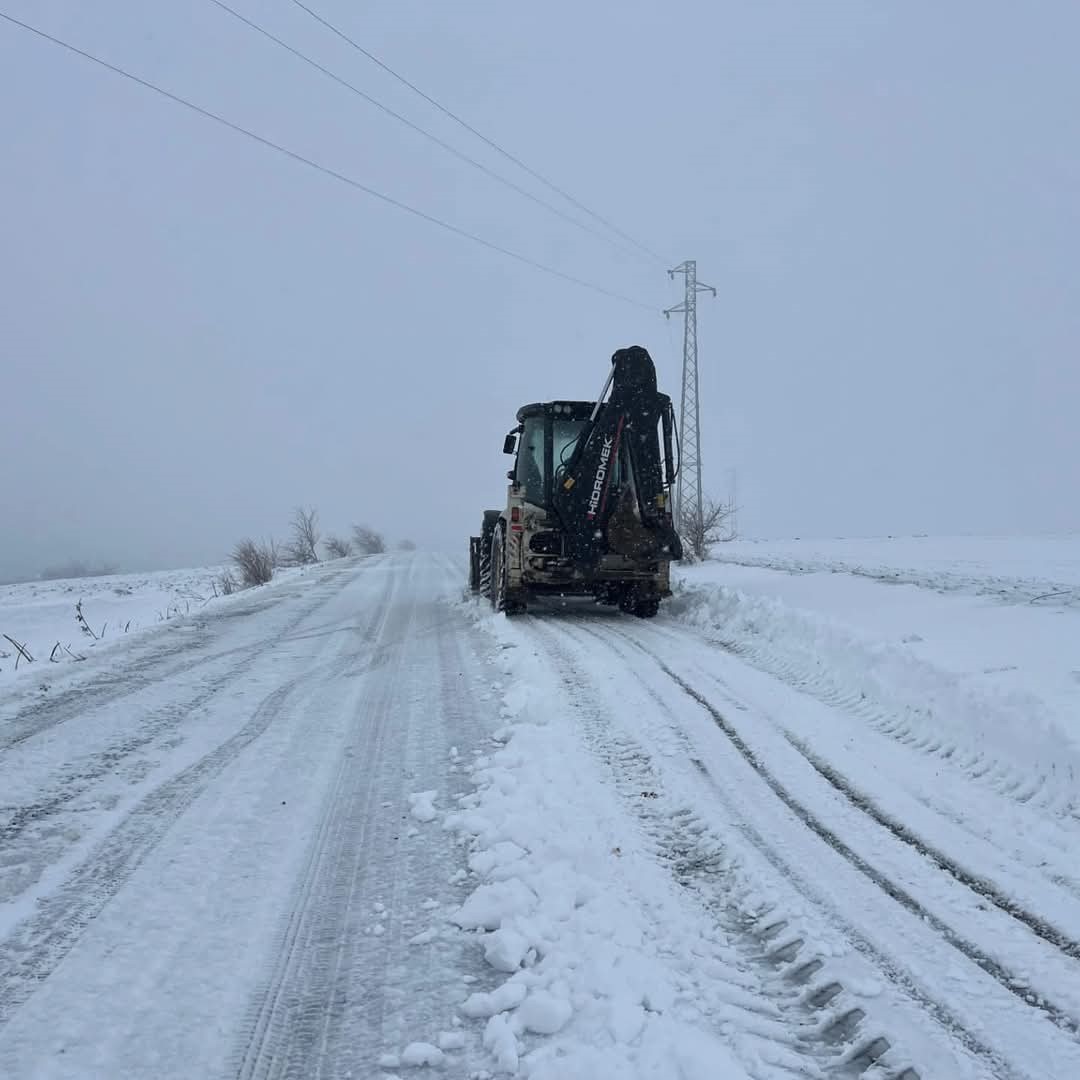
(1002, 777)
(894, 971)
(37, 945)
(680, 841)
(317, 913)
(975, 765)
(30, 954)
(1061, 1017)
(980, 885)
(827, 1030)
(27, 821)
(1011, 981)
(334, 997)
(337, 996)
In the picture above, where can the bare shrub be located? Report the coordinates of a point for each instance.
(367, 541)
(255, 562)
(337, 547)
(227, 583)
(21, 650)
(302, 548)
(714, 528)
(84, 625)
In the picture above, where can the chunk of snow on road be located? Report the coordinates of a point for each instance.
(421, 805)
(505, 949)
(508, 996)
(546, 1014)
(451, 1040)
(486, 908)
(421, 1053)
(502, 1043)
(389, 1061)
(504, 853)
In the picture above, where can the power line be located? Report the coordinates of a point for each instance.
(417, 128)
(482, 137)
(456, 230)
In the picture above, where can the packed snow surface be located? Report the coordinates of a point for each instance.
(819, 818)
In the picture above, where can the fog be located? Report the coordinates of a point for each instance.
(198, 333)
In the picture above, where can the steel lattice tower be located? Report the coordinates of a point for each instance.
(689, 501)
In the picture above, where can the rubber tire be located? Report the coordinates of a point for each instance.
(483, 584)
(647, 609)
(501, 600)
(497, 569)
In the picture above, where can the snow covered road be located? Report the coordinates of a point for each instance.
(960, 957)
(209, 865)
(354, 825)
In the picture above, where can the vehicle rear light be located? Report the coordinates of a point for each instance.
(515, 514)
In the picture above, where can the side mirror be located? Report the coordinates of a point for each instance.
(510, 443)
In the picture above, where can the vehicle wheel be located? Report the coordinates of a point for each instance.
(496, 589)
(502, 599)
(483, 573)
(647, 609)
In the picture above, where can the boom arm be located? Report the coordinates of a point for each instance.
(635, 519)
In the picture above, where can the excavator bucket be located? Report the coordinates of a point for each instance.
(612, 496)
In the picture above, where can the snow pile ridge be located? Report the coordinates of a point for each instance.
(587, 990)
(1010, 736)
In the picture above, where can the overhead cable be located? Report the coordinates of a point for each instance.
(326, 170)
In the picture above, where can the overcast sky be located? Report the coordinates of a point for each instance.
(197, 333)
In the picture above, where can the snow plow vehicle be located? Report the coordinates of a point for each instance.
(588, 510)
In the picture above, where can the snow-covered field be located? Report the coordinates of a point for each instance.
(820, 818)
(1042, 570)
(42, 615)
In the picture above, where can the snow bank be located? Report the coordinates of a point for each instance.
(589, 940)
(971, 681)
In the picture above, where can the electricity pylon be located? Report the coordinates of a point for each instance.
(689, 501)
